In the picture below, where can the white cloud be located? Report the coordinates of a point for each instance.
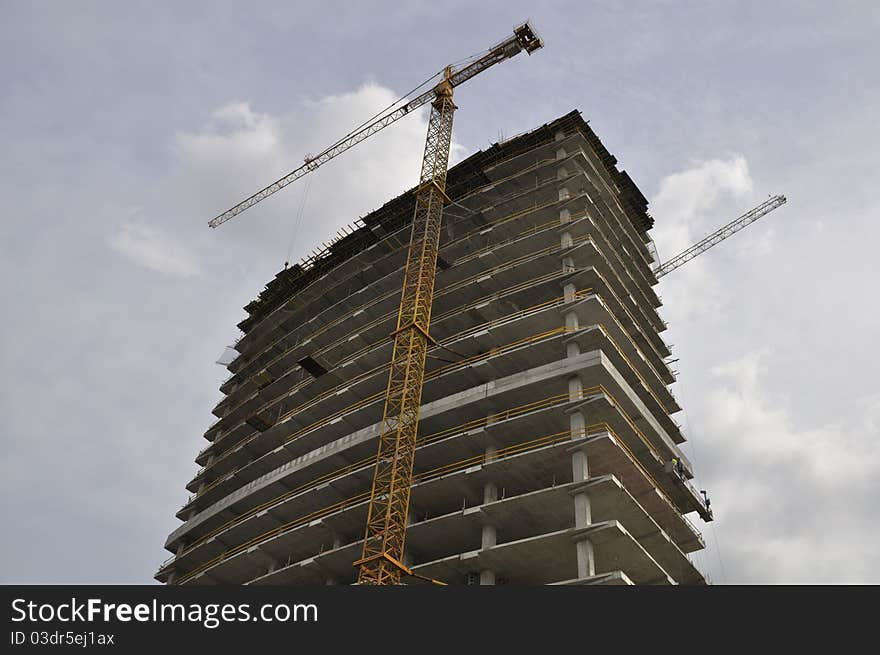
(795, 496)
(239, 150)
(148, 247)
(688, 206)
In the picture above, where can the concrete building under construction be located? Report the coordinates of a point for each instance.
(547, 452)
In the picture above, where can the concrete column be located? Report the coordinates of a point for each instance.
(489, 537)
(490, 493)
(564, 216)
(568, 292)
(559, 136)
(561, 173)
(566, 240)
(568, 264)
(583, 513)
(564, 193)
(561, 154)
(586, 559)
(572, 349)
(575, 387)
(577, 424)
(273, 564)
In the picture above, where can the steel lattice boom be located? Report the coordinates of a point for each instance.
(524, 38)
(721, 234)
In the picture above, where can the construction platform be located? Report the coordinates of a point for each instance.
(546, 433)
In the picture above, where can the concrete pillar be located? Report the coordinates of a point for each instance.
(561, 173)
(564, 193)
(561, 154)
(572, 349)
(490, 492)
(586, 559)
(564, 216)
(568, 264)
(577, 424)
(575, 387)
(571, 322)
(489, 536)
(559, 136)
(583, 512)
(566, 240)
(568, 292)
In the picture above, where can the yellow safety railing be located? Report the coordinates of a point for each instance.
(375, 370)
(489, 419)
(436, 472)
(442, 292)
(423, 441)
(289, 392)
(492, 222)
(380, 394)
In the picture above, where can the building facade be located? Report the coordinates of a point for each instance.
(547, 452)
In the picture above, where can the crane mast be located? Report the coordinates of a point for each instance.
(382, 559)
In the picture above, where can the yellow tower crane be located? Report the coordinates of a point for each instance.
(382, 560)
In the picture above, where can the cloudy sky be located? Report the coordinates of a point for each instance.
(126, 126)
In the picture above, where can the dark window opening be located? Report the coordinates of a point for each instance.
(312, 367)
(257, 423)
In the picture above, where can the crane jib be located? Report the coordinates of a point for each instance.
(524, 38)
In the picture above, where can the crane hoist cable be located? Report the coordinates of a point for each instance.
(297, 223)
